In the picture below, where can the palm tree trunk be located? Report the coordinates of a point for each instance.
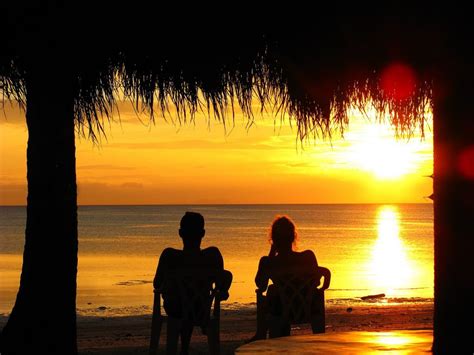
(454, 214)
(43, 319)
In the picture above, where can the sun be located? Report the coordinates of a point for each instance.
(379, 153)
(373, 148)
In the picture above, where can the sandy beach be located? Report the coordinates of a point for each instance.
(130, 335)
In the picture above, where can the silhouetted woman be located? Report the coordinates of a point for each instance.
(284, 259)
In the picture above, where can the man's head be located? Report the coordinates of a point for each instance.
(192, 228)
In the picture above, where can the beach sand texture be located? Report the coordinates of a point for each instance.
(130, 335)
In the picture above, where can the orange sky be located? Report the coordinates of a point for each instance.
(202, 163)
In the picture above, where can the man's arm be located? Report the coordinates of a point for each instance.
(224, 280)
(162, 269)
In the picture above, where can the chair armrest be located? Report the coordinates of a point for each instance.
(261, 298)
(220, 295)
(223, 281)
(158, 290)
(157, 301)
(327, 277)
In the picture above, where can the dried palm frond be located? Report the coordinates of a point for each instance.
(311, 74)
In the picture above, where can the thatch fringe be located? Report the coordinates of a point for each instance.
(315, 117)
(12, 84)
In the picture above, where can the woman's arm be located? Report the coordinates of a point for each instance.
(261, 279)
(321, 271)
(272, 251)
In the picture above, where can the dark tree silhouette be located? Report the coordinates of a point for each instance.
(67, 64)
(44, 313)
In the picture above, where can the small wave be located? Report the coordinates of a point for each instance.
(156, 225)
(104, 311)
(410, 300)
(346, 289)
(367, 289)
(379, 301)
(133, 282)
(146, 310)
(250, 307)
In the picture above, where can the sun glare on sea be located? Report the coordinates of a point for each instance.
(389, 266)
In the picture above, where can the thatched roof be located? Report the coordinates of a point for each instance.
(312, 71)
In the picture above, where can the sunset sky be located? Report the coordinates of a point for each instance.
(201, 163)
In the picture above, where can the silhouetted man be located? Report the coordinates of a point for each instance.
(190, 258)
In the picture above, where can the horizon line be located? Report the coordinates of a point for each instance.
(244, 204)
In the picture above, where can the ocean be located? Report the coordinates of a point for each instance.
(369, 248)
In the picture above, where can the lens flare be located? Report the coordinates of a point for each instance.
(466, 163)
(398, 81)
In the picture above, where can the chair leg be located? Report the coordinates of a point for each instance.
(262, 321)
(156, 323)
(278, 327)
(186, 333)
(172, 336)
(318, 324)
(318, 319)
(213, 337)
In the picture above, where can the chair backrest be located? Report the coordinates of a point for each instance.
(297, 293)
(197, 291)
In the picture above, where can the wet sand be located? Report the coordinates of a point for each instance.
(130, 335)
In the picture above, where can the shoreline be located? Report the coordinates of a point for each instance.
(102, 335)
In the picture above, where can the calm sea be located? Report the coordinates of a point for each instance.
(369, 249)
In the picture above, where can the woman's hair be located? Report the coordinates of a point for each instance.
(283, 233)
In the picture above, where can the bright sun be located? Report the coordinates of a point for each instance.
(373, 148)
(378, 152)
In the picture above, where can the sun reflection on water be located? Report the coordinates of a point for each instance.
(390, 268)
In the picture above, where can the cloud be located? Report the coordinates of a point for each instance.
(277, 189)
(132, 185)
(190, 144)
(104, 167)
(299, 165)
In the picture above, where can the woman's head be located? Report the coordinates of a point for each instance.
(283, 233)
